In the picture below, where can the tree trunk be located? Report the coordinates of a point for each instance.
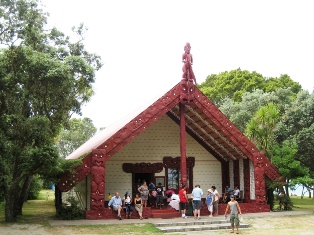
(58, 198)
(287, 190)
(11, 199)
(310, 195)
(23, 195)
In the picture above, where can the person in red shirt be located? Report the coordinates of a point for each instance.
(183, 201)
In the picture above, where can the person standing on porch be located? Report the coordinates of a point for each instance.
(234, 211)
(197, 194)
(159, 196)
(216, 199)
(183, 201)
(209, 202)
(144, 191)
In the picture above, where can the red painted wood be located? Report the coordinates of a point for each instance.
(183, 144)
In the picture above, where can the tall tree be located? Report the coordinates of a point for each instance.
(44, 79)
(240, 113)
(290, 168)
(233, 84)
(77, 133)
(262, 126)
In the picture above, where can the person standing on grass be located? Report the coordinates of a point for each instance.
(234, 211)
(197, 194)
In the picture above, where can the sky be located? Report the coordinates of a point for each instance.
(141, 43)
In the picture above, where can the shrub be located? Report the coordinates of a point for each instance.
(70, 211)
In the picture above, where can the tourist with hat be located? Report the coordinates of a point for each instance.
(210, 201)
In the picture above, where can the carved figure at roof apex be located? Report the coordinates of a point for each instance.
(188, 79)
(187, 60)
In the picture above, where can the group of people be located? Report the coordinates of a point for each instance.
(144, 191)
(229, 192)
(212, 200)
(117, 204)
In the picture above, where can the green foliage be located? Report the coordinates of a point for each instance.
(240, 113)
(71, 211)
(78, 131)
(262, 126)
(305, 141)
(44, 78)
(284, 202)
(34, 188)
(233, 84)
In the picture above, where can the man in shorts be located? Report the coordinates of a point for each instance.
(115, 204)
(234, 207)
(197, 194)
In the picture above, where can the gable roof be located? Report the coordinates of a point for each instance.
(204, 122)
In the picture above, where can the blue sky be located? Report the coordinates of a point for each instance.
(141, 43)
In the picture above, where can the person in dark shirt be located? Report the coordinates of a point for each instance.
(159, 196)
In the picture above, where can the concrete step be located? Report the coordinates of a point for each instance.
(195, 225)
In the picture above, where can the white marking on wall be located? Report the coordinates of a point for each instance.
(252, 181)
(241, 170)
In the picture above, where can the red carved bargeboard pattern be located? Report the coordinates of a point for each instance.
(69, 180)
(187, 91)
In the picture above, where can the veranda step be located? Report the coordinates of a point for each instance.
(195, 226)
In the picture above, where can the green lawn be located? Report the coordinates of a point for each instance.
(305, 204)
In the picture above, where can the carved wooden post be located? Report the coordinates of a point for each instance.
(97, 202)
(182, 144)
(259, 175)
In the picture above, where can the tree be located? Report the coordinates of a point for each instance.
(240, 113)
(262, 126)
(305, 141)
(44, 79)
(233, 84)
(290, 168)
(78, 132)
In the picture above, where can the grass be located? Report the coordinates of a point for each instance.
(305, 204)
(39, 212)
